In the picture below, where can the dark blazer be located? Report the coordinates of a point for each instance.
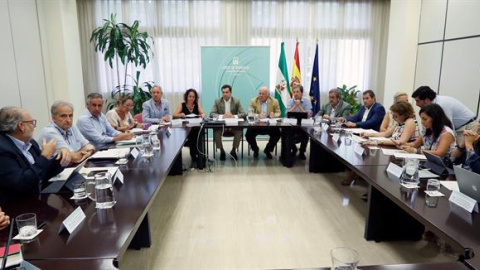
(17, 176)
(374, 119)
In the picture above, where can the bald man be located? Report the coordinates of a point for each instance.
(266, 107)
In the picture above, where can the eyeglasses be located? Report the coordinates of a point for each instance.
(34, 122)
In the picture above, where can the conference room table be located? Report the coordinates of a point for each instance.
(396, 212)
(286, 137)
(105, 234)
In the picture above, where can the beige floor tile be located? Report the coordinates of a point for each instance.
(259, 215)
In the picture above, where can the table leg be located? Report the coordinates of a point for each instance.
(142, 236)
(387, 221)
(321, 161)
(285, 153)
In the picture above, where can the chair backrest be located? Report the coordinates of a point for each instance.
(138, 117)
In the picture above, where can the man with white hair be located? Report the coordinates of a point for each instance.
(266, 107)
(68, 137)
(25, 168)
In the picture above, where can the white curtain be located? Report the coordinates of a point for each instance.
(351, 38)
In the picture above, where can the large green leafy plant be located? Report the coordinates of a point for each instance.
(124, 43)
(350, 95)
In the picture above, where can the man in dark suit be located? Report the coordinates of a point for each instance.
(25, 168)
(227, 107)
(370, 115)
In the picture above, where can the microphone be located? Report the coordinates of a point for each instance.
(5, 254)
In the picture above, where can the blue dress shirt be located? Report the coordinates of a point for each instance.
(152, 113)
(71, 139)
(96, 129)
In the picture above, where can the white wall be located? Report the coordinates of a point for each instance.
(449, 49)
(402, 48)
(40, 56)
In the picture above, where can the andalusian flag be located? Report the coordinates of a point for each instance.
(296, 76)
(315, 85)
(282, 88)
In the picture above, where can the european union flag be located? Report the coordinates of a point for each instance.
(315, 85)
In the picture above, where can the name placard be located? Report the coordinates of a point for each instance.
(358, 149)
(119, 177)
(463, 201)
(73, 220)
(336, 137)
(134, 152)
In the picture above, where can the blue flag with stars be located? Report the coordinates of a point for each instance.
(315, 85)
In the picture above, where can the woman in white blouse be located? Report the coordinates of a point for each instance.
(120, 117)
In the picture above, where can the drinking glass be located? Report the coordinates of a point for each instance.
(104, 197)
(155, 142)
(410, 172)
(27, 224)
(344, 258)
(79, 190)
(250, 117)
(432, 185)
(147, 147)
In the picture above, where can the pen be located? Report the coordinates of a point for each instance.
(41, 225)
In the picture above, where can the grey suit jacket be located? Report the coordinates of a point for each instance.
(235, 108)
(343, 110)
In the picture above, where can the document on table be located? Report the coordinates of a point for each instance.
(358, 139)
(132, 141)
(408, 155)
(379, 139)
(426, 174)
(450, 185)
(361, 130)
(112, 153)
(391, 152)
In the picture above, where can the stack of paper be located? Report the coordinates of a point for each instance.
(138, 131)
(391, 152)
(379, 139)
(112, 153)
(358, 139)
(132, 141)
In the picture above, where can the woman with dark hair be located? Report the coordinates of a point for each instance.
(188, 107)
(438, 137)
(120, 117)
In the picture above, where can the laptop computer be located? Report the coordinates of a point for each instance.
(435, 163)
(468, 182)
(65, 178)
(298, 115)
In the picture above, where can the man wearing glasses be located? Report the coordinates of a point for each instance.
(70, 142)
(25, 168)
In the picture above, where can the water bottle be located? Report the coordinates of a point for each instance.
(410, 172)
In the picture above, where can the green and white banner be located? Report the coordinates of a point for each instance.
(245, 68)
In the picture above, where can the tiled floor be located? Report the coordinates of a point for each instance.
(257, 214)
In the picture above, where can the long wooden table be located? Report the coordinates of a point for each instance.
(104, 234)
(394, 212)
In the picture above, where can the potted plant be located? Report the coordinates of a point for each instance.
(350, 95)
(124, 43)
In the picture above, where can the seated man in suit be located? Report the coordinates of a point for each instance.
(25, 168)
(156, 109)
(370, 115)
(4, 220)
(227, 106)
(265, 106)
(335, 108)
(67, 136)
(299, 103)
(94, 125)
